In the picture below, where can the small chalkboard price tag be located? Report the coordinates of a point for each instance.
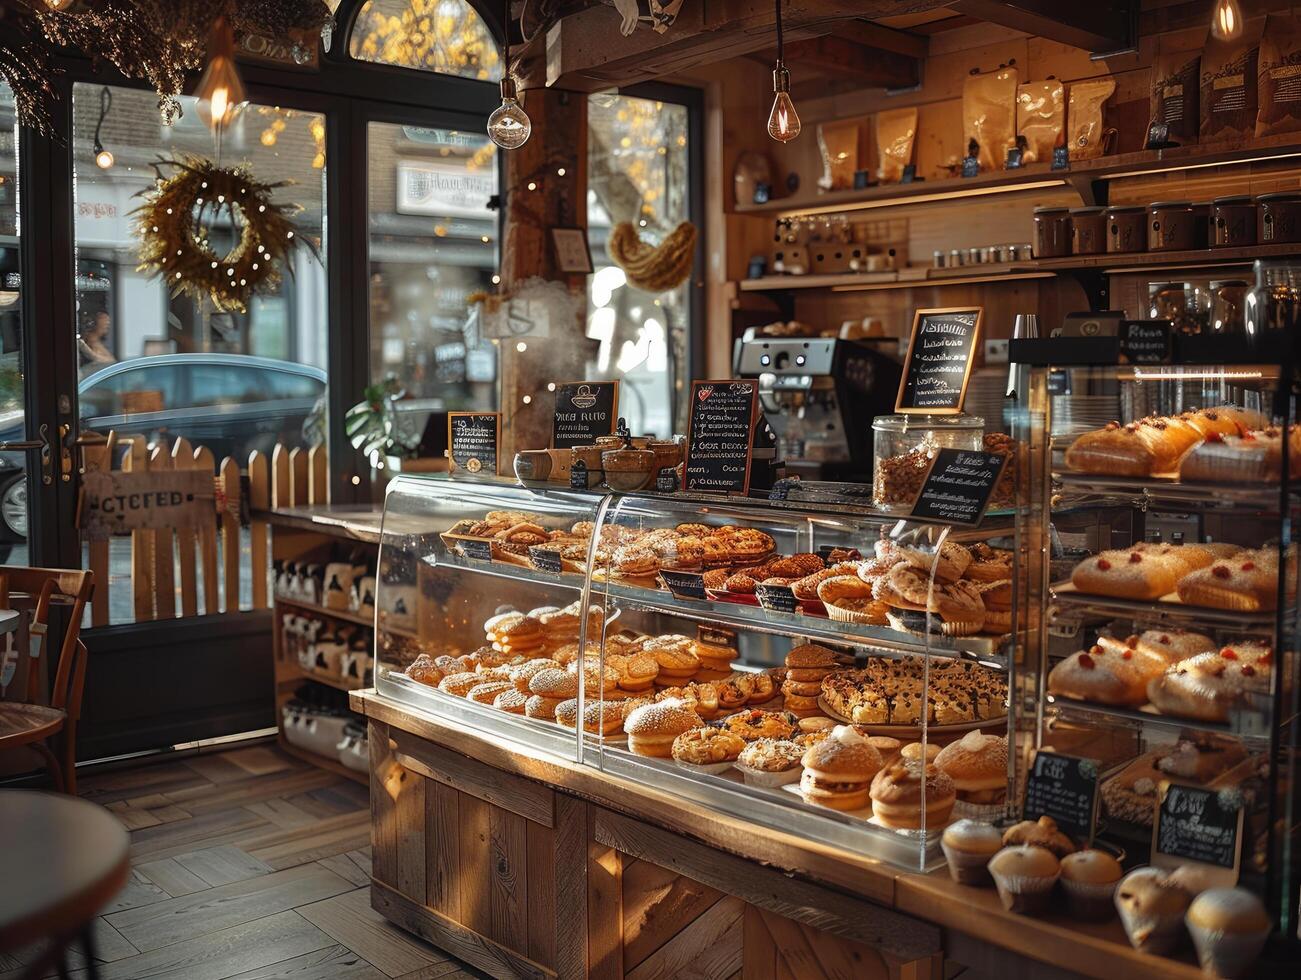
(1065, 788)
(578, 475)
(472, 441)
(684, 585)
(909, 174)
(941, 350)
(666, 480)
(1145, 341)
(584, 410)
(958, 486)
(1059, 382)
(719, 436)
(1015, 159)
(546, 559)
(971, 166)
(778, 598)
(1061, 158)
(716, 636)
(1199, 825)
(477, 550)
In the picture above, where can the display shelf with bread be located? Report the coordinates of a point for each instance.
(1169, 640)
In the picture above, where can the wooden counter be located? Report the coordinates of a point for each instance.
(469, 832)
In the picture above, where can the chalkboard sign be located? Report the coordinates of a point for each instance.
(584, 410)
(478, 550)
(716, 636)
(1065, 788)
(1202, 825)
(958, 486)
(472, 441)
(546, 559)
(778, 598)
(940, 353)
(719, 435)
(684, 585)
(1061, 158)
(578, 475)
(666, 480)
(1145, 341)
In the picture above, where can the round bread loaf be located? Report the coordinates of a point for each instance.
(838, 770)
(897, 793)
(653, 727)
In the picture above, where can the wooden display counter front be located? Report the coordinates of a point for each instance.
(530, 867)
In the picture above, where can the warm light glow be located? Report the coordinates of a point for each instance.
(783, 121)
(221, 91)
(1226, 20)
(103, 159)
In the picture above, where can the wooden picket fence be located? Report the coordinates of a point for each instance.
(159, 557)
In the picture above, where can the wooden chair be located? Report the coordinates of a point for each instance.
(27, 721)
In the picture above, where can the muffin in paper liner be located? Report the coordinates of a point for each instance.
(1090, 899)
(1159, 934)
(1226, 954)
(966, 867)
(981, 812)
(1026, 894)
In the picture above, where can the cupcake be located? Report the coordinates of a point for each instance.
(1152, 908)
(1039, 833)
(1229, 927)
(1089, 880)
(969, 845)
(1024, 877)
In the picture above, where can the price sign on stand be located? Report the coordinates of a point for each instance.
(958, 486)
(941, 350)
(1201, 826)
(584, 410)
(1065, 788)
(716, 636)
(684, 585)
(1145, 341)
(472, 441)
(719, 436)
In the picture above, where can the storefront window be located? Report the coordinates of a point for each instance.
(446, 36)
(637, 167)
(155, 362)
(13, 481)
(432, 245)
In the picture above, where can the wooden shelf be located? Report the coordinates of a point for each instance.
(323, 762)
(347, 615)
(904, 279)
(291, 673)
(1207, 257)
(1035, 176)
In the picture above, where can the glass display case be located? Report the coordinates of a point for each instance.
(802, 668)
(1170, 639)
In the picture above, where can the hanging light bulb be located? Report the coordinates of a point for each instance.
(509, 126)
(103, 158)
(783, 120)
(220, 92)
(1226, 20)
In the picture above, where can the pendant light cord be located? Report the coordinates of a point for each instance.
(505, 33)
(105, 101)
(780, 58)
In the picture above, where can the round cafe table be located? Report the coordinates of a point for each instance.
(62, 860)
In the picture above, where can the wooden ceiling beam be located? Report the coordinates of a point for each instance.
(868, 67)
(1098, 25)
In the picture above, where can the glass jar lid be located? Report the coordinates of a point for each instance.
(1159, 205)
(1051, 209)
(1279, 196)
(1126, 209)
(1089, 210)
(904, 423)
(1233, 199)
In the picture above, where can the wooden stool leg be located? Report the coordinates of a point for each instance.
(51, 763)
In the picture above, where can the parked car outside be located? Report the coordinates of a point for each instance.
(231, 404)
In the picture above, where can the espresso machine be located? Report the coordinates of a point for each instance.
(819, 396)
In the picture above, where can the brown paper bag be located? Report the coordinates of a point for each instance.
(838, 143)
(1084, 117)
(1229, 97)
(989, 115)
(1176, 93)
(1278, 76)
(896, 131)
(1040, 118)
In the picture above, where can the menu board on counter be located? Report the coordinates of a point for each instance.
(719, 436)
(958, 486)
(941, 350)
(1065, 788)
(778, 598)
(1199, 825)
(472, 441)
(1145, 341)
(584, 410)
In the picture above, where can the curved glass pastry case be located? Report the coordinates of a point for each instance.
(796, 667)
(1170, 637)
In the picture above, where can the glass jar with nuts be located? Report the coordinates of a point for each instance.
(904, 446)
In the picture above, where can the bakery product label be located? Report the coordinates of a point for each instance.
(478, 550)
(684, 585)
(546, 559)
(958, 486)
(719, 436)
(472, 441)
(941, 349)
(1196, 824)
(1145, 341)
(778, 598)
(1065, 788)
(584, 410)
(716, 636)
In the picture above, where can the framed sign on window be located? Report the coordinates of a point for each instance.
(572, 252)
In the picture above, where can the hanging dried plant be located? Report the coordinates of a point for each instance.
(175, 225)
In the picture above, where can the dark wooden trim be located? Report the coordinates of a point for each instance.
(475, 949)
(514, 793)
(571, 880)
(900, 935)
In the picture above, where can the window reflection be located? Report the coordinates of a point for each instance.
(446, 36)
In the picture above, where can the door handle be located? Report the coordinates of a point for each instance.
(66, 452)
(41, 445)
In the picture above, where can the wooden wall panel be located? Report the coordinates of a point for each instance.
(508, 879)
(475, 877)
(442, 849)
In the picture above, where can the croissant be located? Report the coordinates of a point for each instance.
(654, 268)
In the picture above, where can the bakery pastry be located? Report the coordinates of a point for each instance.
(1223, 419)
(849, 599)
(1089, 879)
(838, 770)
(423, 670)
(1039, 833)
(1105, 676)
(948, 561)
(538, 706)
(916, 752)
(1114, 450)
(459, 684)
(1126, 574)
(912, 796)
(486, 692)
(1024, 877)
(707, 746)
(1173, 645)
(890, 692)
(977, 764)
(754, 724)
(1152, 908)
(968, 845)
(771, 762)
(1209, 686)
(988, 564)
(1229, 927)
(1247, 582)
(1237, 458)
(653, 727)
(512, 701)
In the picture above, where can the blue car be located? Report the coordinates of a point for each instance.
(229, 403)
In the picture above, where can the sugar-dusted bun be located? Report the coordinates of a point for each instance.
(653, 727)
(913, 751)
(897, 796)
(554, 682)
(838, 770)
(1152, 908)
(539, 707)
(810, 655)
(976, 763)
(567, 713)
